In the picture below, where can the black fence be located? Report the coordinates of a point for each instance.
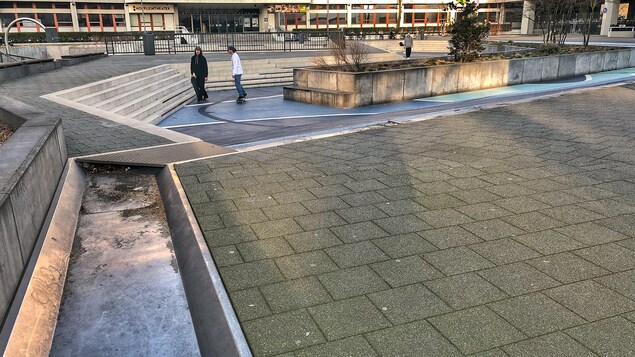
(211, 42)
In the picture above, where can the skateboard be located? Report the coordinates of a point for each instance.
(241, 100)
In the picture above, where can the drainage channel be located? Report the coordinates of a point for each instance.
(123, 292)
(121, 268)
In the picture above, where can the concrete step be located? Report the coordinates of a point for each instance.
(116, 90)
(156, 82)
(228, 86)
(164, 106)
(150, 98)
(80, 91)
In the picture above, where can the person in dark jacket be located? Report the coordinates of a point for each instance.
(198, 69)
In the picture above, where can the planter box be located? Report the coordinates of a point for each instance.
(356, 89)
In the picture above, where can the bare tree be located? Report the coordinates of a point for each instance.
(345, 56)
(554, 18)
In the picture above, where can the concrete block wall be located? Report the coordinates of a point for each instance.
(31, 164)
(420, 82)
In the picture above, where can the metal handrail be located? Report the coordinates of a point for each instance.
(6, 31)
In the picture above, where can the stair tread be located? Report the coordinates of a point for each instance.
(114, 88)
(151, 95)
(135, 90)
(164, 99)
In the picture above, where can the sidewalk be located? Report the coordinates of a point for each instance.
(503, 231)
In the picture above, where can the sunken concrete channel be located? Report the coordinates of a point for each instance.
(121, 268)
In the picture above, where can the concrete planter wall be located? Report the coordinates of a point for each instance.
(31, 163)
(350, 90)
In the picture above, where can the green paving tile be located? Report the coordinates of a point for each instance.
(628, 243)
(408, 303)
(401, 207)
(329, 191)
(483, 211)
(437, 202)
(444, 218)
(549, 242)
(518, 278)
(320, 220)
(281, 333)
(510, 190)
(491, 353)
(233, 235)
(504, 251)
(567, 267)
(469, 183)
(346, 318)
(249, 304)
(240, 218)
(295, 294)
(211, 208)
(535, 314)
(610, 256)
(476, 330)
(610, 337)
(571, 214)
(285, 211)
(405, 271)
(325, 204)
(449, 237)
(475, 196)
(293, 196)
(555, 344)
(435, 188)
(402, 224)
(361, 214)
(209, 223)
(608, 207)
(354, 254)
(305, 264)
(343, 284)
(365, 185)
(404, 245)
(465, 290)
(414, 339)
(557, 198)
(520, 204)
(355, 346)
(542, 185)
(277, 228)
(623, 283)
(226, 256)
(264, 249)
(591, 300)
(247, 275)
(307, 241)
(254, 202)
(457, 261)
(363, 198)
(493, 229)
(533, 221)
(358, 232)
(399, 192)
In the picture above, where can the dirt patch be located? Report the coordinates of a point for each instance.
(5, 132)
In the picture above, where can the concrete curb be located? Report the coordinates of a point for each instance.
(217, 328)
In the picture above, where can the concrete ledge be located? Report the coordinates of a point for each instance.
(30, 324)
(317, 86)
(217, 328)
(27, 68)
(73, 60)
(31, 163)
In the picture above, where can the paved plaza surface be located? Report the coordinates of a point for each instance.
(506, 231)
(268, 117)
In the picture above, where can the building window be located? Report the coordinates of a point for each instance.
(120, 20)
(64, 20)
(47, 19)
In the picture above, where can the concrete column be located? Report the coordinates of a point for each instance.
(609, 17)
(74, 17)
(529, 13)
(501, 14)
(349, 13)
(127, 17)
(176, 17)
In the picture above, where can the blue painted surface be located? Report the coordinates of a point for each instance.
(270, 106)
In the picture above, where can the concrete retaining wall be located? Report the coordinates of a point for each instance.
(349, 90)
(31, 163)
(15, 70)
(57, 50)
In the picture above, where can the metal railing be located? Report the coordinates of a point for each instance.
(212, 42)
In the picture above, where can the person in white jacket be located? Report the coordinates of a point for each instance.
(237, 71)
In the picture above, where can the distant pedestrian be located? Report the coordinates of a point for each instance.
(237, 72)
(408, 42)
(198, 70)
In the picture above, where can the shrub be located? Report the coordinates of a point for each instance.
(468, 32)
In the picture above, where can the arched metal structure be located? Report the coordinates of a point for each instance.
(6, 31)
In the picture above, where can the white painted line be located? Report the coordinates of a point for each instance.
(266, 119)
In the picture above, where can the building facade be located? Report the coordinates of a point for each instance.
(214, 16)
